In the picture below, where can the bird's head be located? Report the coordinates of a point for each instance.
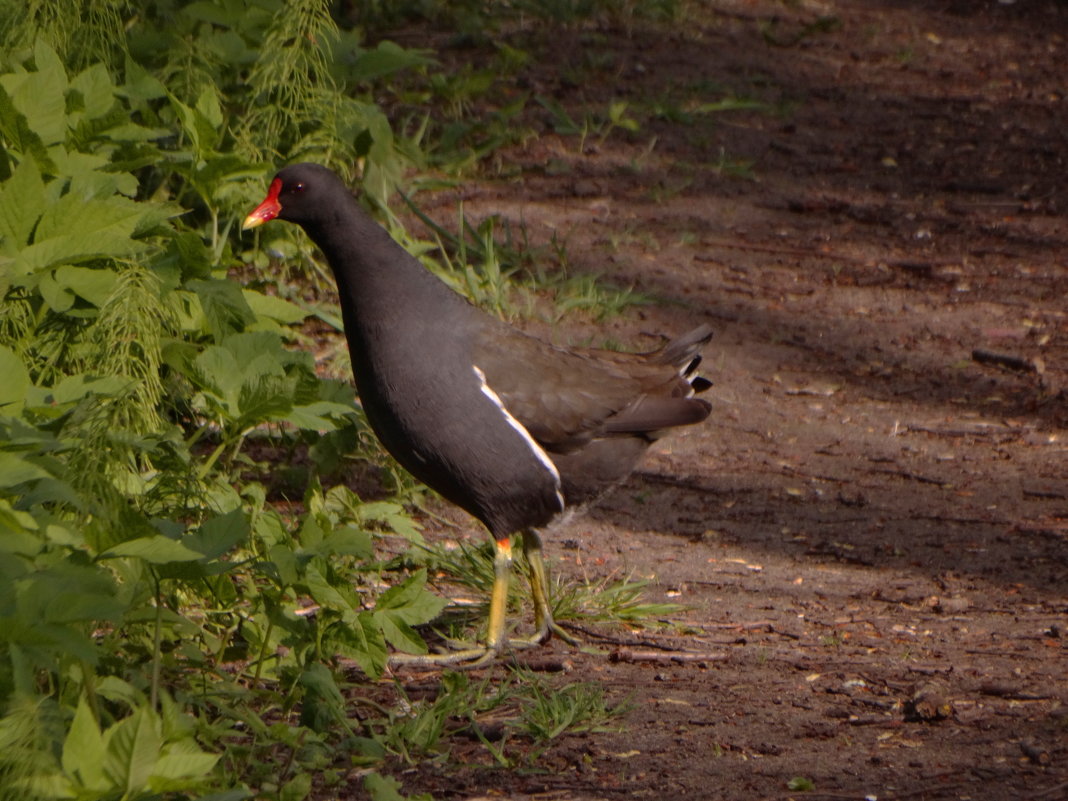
(299, 193)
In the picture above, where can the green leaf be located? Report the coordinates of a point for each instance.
(323, 703)
(224, 306)
(183, 761)
(22, 202)
(297, 788)
(318, 416)
(209, 108)
(410, 600)
(133, 748)
(141, 85)
(84, 750)
(347, 541)
(94, 286)
(265, 397)
(16, 382)
(41, 95)
(218, 535)
(387, 788)
(800, 784)
(20, 136)
(364, 643)
(16, 469)
(398, 633)
(156, 550)
(326, 595)
(387, 59)
(96, 90)
(71, 231)
(273, 307)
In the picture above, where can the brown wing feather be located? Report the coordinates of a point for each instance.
(567, 398)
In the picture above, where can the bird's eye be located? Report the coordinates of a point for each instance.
(296, 189)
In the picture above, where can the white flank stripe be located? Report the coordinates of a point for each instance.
(520, 429)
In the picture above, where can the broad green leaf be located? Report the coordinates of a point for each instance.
(387, 788)
(16, 469)
(83, 750)
(119, 691)
(133, 748)
(348, 541)
(22, 202)
(76, 387)
(41, 95)
(141, 85)
(61, 639)
(326, 595)
(19, 135)
(72, 231)
(252, 345)
(410, 601)
(216, 369)
(219, 535)
(111, 217)
(322, 703)
(156, 550)
(94, 286)
(181, 764)
(398, 633)
(365, 644)
(16, 380)
(224, 306)
(96, 90)
(59, 298)
(297, 788)
(318, 416)
(284, 561)
(386, 59)
(209, 108)
(274, 307)
(265, 397)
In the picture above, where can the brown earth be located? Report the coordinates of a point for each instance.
(870, 532)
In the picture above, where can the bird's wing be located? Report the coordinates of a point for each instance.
(565, 398)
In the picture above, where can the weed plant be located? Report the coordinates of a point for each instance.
(187, 589)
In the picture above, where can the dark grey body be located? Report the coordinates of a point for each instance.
(415, 345)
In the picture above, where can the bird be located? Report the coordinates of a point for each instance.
(510, 428)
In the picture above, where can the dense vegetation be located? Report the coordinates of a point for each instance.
(177, 587)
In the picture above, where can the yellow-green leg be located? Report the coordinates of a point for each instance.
(502, 571)
(496, 641)
(544, 624)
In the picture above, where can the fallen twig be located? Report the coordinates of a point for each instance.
(1004, 360)
(1049, 792)
(631, 655)
(911, 476)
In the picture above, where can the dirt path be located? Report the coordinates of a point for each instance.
(873, 513)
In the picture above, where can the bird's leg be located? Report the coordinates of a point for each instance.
(502, 568)
(495, 640)
(539, 589)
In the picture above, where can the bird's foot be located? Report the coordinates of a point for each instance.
(548, 629)
(465, 659)
(470, 658)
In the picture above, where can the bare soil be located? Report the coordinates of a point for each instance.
(871, 532)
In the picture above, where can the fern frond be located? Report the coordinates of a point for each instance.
(291, 81)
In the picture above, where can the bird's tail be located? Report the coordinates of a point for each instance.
(685, 354)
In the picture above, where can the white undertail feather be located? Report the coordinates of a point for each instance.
(520, 429)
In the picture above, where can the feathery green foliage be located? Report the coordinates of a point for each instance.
(175, 618)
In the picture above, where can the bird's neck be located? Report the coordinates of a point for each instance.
(378, 281)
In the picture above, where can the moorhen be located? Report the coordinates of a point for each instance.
(508, 427)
